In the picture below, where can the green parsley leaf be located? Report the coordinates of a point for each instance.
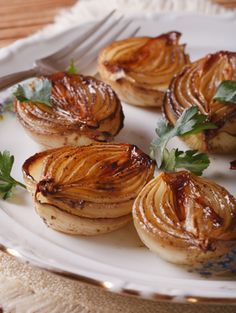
(7, 105)
(191, 160)
(190, 122)
(226, 92)
(72, 68)
(6, 190)
(6, 163)
(39, 90)
(7, 182)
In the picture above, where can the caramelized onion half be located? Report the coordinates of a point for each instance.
(196, 85)
(89, 185)
(83, 110)
(140, 69)
(185, 218)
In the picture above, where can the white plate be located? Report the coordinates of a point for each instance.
(118, 261)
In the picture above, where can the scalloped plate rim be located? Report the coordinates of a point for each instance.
(107, 281)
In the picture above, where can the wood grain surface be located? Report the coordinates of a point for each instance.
(20, 18)
(231, 4)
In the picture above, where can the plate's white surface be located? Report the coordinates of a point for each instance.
(118, 260)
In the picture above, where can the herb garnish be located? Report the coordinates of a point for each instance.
(72, 68)
(7, 182)
(190, 122)
(226, 92)
(39, 90)
(191, 160)
(7, 105)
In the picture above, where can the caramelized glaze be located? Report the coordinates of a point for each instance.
(185, 211)
(81, 105)
(140, 69)
(196, 85)
(73, 177)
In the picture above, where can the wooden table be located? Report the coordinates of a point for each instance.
(20, 18)
(231, 4)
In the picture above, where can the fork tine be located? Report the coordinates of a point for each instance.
(92, 55)
(97, 47)
(82, 51)
(93, 58)
(134, 33)
(75, 43)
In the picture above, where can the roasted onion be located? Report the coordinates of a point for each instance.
(87, 190)
(185, 218)
(140, 69)
(196, 85)
(83, 110)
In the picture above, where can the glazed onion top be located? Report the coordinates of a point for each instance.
(147, 62)
(186, 210)
(78, 103)
(196, 85)
(101, 173)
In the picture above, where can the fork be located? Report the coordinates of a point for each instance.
(83, 50)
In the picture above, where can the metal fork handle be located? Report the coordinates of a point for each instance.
(9, 80)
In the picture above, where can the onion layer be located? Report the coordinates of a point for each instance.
(140, 69)
(196, 85)
(95, 183)
(185, 218)
(83, 110)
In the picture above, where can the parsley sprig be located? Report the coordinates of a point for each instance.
(190, 122)
(72, 68)
(7, 105)
(39, 90)
(7, 182)
(226, 92)
(191, 160)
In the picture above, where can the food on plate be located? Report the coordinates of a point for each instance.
(140, 69)
(226, 92)
(87, 190)
(185, 218)
(191, 121)
(7, 182)
(196, 85)
(81, 110)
